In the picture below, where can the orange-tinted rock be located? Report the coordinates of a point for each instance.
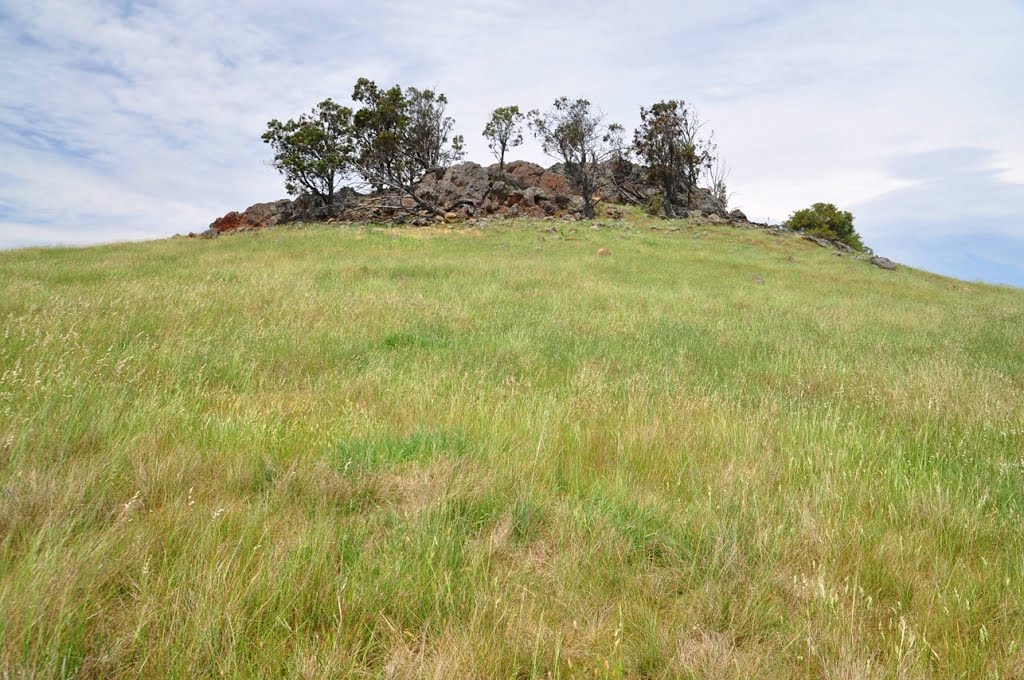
(256, 216)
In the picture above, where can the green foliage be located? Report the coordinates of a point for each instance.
(827, 221)
(390, 142)
(400, 135)
(315, 152)
(668, 141)
(430, 141)
(655, 205)
(575, 133)
(504, 131)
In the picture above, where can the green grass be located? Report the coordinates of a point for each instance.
(491, 453)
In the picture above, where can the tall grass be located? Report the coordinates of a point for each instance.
(491, 453)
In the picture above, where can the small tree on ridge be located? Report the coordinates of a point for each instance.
(575, 133)
(504, 131)
(669, 142)
(314, 153)
(399, 136)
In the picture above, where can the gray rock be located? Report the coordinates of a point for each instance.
(460, 184)
(824, 243)
(524, 175)
(737, 214)
(842, 247)
(534, 196)
(883, 262)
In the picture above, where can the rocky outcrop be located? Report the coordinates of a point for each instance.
(284, 211)
(463, 191)
(522, 189)
(256, 216)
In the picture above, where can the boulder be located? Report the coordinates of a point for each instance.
(523, 175)
(824, 243)
(737, 215)
(842, 247)
(703, 200)
(883, 262)
(446, 188)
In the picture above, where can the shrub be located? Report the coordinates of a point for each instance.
(826, 221)
(654, 205)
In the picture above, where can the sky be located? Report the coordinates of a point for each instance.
(136, 120)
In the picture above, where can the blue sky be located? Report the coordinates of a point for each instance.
(122, 120)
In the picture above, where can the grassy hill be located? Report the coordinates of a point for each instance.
(493, 453)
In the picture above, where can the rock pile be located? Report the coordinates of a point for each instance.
(461, 192)
(522, 190)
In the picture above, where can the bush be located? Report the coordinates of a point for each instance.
(826, 221)
(654, 205)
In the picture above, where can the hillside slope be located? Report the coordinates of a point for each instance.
(486, 453)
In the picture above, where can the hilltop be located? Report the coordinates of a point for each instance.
(464, 192)
(472, 194)
(619, 447)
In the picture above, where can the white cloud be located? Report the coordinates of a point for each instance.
(115, 112)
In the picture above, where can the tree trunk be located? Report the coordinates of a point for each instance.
(432, 209)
